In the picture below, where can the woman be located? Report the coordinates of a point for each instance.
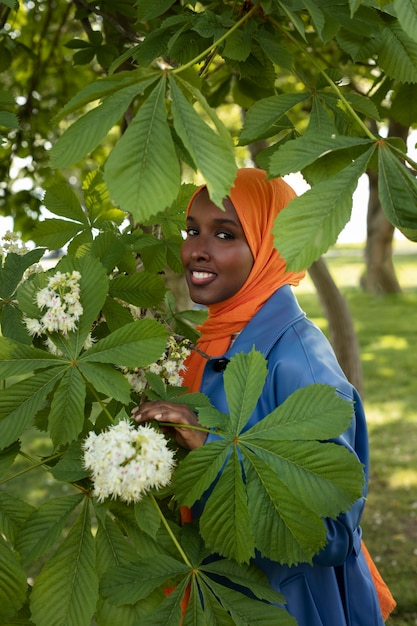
(232, 267)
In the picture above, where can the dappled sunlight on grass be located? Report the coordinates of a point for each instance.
(404, 478)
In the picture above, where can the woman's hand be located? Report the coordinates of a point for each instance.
(175, 414)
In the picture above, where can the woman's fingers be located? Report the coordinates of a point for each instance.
(176, 414)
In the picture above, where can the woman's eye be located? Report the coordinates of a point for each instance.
(224, 235)
(191, 232)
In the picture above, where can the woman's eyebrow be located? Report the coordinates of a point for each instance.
(216, 220)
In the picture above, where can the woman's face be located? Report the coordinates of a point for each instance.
(216, 256)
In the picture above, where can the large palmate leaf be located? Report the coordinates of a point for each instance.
(271, 485)
(66, 591)
(136, 171)
(311, 223)
(212, 589)
(202, 142)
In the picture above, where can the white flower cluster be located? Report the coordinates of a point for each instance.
(11, 242)
(61, 301)
(127, 461)
(169, 367)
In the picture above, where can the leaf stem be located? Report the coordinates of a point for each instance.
(35, 464)
(99, 400)
(170, 533)
(216, 43)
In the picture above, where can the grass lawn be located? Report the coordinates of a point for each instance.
(387, 332)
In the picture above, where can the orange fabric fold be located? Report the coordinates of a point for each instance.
(257, 202)
(386, 600)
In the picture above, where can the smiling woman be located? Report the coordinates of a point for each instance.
(232, 266)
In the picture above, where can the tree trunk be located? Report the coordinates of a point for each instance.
(380, 276)
(342, 333)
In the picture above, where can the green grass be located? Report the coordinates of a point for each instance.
(387, 332)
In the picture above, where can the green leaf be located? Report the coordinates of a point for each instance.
(311, 223)
(120, 584)
(111, 545)
(9, 120)
(152, 252)
(70, 467)
(198, 471)
(284, 530)
(101, 88)
(244, 576)
(13, 514)
(245, 610)
(45, 526)
(147, 516)
(274, 51)
(12, 325)
(7, 457)
(13, 583)
(397, 189)
(202, 142)
(398, 54)
(149, 9)
(61, 200)
(115, 314)
(54, 233)
(106, 380)
(406, 11)
(270, 487)
(243, 387)
(134, 345)
(311, 413)
(20, 403)
(82, 137)
(66, 417)
(136, 172)
(320, 138)
(225, 522)
(141, 289)
(94, 288)
(66, 591)
(13, 269)
(238, 46)
(263, 116)
(17, 359)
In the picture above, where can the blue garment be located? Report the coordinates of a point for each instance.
(337, 590)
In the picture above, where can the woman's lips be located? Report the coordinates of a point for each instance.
(202, 278)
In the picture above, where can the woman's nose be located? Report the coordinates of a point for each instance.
(200, 249)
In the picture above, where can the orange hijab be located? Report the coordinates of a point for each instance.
(257, 202)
